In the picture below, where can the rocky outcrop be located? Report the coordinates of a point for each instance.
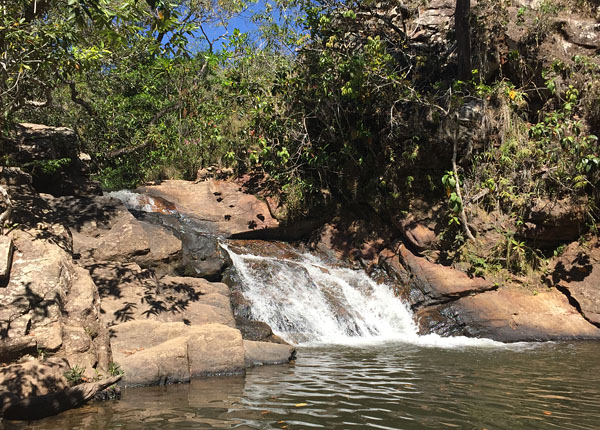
(102, 228)
(152, 352)
(448, 302)
(550, 223)
(357, 236)
(509, 315)
(432, 284)
(220, 206)
(85, 282)
(52, 154)
(577, 273)
(129, 293)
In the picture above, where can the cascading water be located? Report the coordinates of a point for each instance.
(305, 300)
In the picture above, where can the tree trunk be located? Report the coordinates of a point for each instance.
(463, 38)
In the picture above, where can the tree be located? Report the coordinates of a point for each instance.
(462, 14)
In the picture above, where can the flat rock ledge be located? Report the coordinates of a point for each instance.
(156, 353)
(448, 302)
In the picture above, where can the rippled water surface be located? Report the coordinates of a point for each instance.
(386, 386)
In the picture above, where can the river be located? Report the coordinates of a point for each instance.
(360, 364)
(392, 385)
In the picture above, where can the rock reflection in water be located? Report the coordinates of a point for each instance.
(381, 386)
(202, 404)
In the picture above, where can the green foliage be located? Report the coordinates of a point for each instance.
(114, 369)
(74, 375)
(47, 166)
(514, 255)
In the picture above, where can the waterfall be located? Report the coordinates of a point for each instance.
(306, 300)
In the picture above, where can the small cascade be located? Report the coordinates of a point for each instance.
(308, 301)
(304, 299)
(143, 202)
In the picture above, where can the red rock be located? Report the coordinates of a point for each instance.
(577, 272)
(221, 204)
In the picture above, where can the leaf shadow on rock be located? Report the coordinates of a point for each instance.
(42, 214)
(129, 293)
(580, 268)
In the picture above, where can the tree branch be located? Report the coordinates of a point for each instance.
(5, 216)
(463, 215)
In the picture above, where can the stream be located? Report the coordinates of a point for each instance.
(360, 364)
(388, 385)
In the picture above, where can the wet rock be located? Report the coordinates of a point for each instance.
(510, 315)
(220, 205)
(152, 352)
(433, 283)
(260, 353)
(257, 331)
(241, 306)
(34, 378)
(203, 257)
(577, 273)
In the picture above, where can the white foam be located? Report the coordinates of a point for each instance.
(133, 200)
(308, 302)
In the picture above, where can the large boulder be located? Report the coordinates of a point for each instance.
(261, 353)
(51, 305)
(102, 228)
(152, 352)
(130, 293)
(30, 304)
(165, 248)
(202, 256)
(509, 315)
(220, 206)
(431, 283)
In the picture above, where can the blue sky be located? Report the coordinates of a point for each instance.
(242, 22)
